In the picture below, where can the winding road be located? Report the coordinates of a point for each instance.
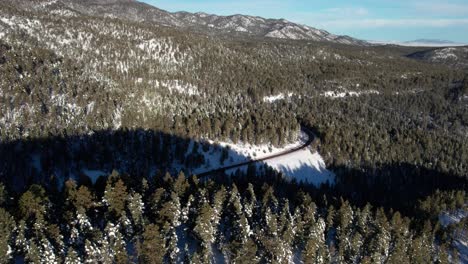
(310, 140)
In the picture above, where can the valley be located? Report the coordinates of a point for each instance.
(133, 134)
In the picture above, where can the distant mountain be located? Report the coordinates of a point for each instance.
(432, 41)
(202, 22)
(456, 57)
(420, 43)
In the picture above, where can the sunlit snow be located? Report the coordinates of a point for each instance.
(302, 165)
(274, 98)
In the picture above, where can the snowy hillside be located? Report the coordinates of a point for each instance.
(456, 57)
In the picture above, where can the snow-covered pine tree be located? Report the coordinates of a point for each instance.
(136, 208)
(72, 257)
(250, 202)
(205, 231)
(33, 254)
(7, 225)
(315, 250)
(344, 231)
(380, 240)
(115, 196)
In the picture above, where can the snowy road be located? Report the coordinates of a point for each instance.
(308, 142)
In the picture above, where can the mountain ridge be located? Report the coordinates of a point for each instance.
(254, 26)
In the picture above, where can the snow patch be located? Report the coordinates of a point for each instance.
(94, 174)
(303, 165)
(274, 98)
(346, 93)
(241, 29)
(181, 87)
(443, 54)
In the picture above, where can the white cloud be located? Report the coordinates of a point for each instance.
(441, 9)
(345, 11)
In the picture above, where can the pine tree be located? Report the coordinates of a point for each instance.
(270, 239)
(152, 246)
(419, 252)
(181, 185)
(344, 231)
(33, 254)
(113, 245)
(72, 257)
(247, 253)
(399, 241)
(169, 214)
(82, 199)
(136, 208)
(250, 202)
(443, 256)
(7, 225)
(205, 231)
(3, 194)
(93, 253)
(21, 243)
(33, 203)
(115, 197)
(380, 242)
(287, 228)
(315, 250)
(47, 252)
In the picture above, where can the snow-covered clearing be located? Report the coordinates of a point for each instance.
(302, 165)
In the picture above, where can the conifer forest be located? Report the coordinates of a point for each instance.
(129, 134)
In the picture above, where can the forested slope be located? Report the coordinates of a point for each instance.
(81, 92)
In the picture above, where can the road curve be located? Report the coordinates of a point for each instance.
(283, 153)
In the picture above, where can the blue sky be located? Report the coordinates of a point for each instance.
(389, 20)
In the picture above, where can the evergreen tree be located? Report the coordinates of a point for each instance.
(247, 253)
(152, 246)
(93, 253)
(205, 231)
(115, 196)
(3, 194)
(380, 241)
(7, 225)
(33, 254)
(72, 257)
(33, 203)
(315, 250)
(113, 245)
(136, 208)
(181, 185)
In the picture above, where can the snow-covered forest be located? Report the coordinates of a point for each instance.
(106, 121)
